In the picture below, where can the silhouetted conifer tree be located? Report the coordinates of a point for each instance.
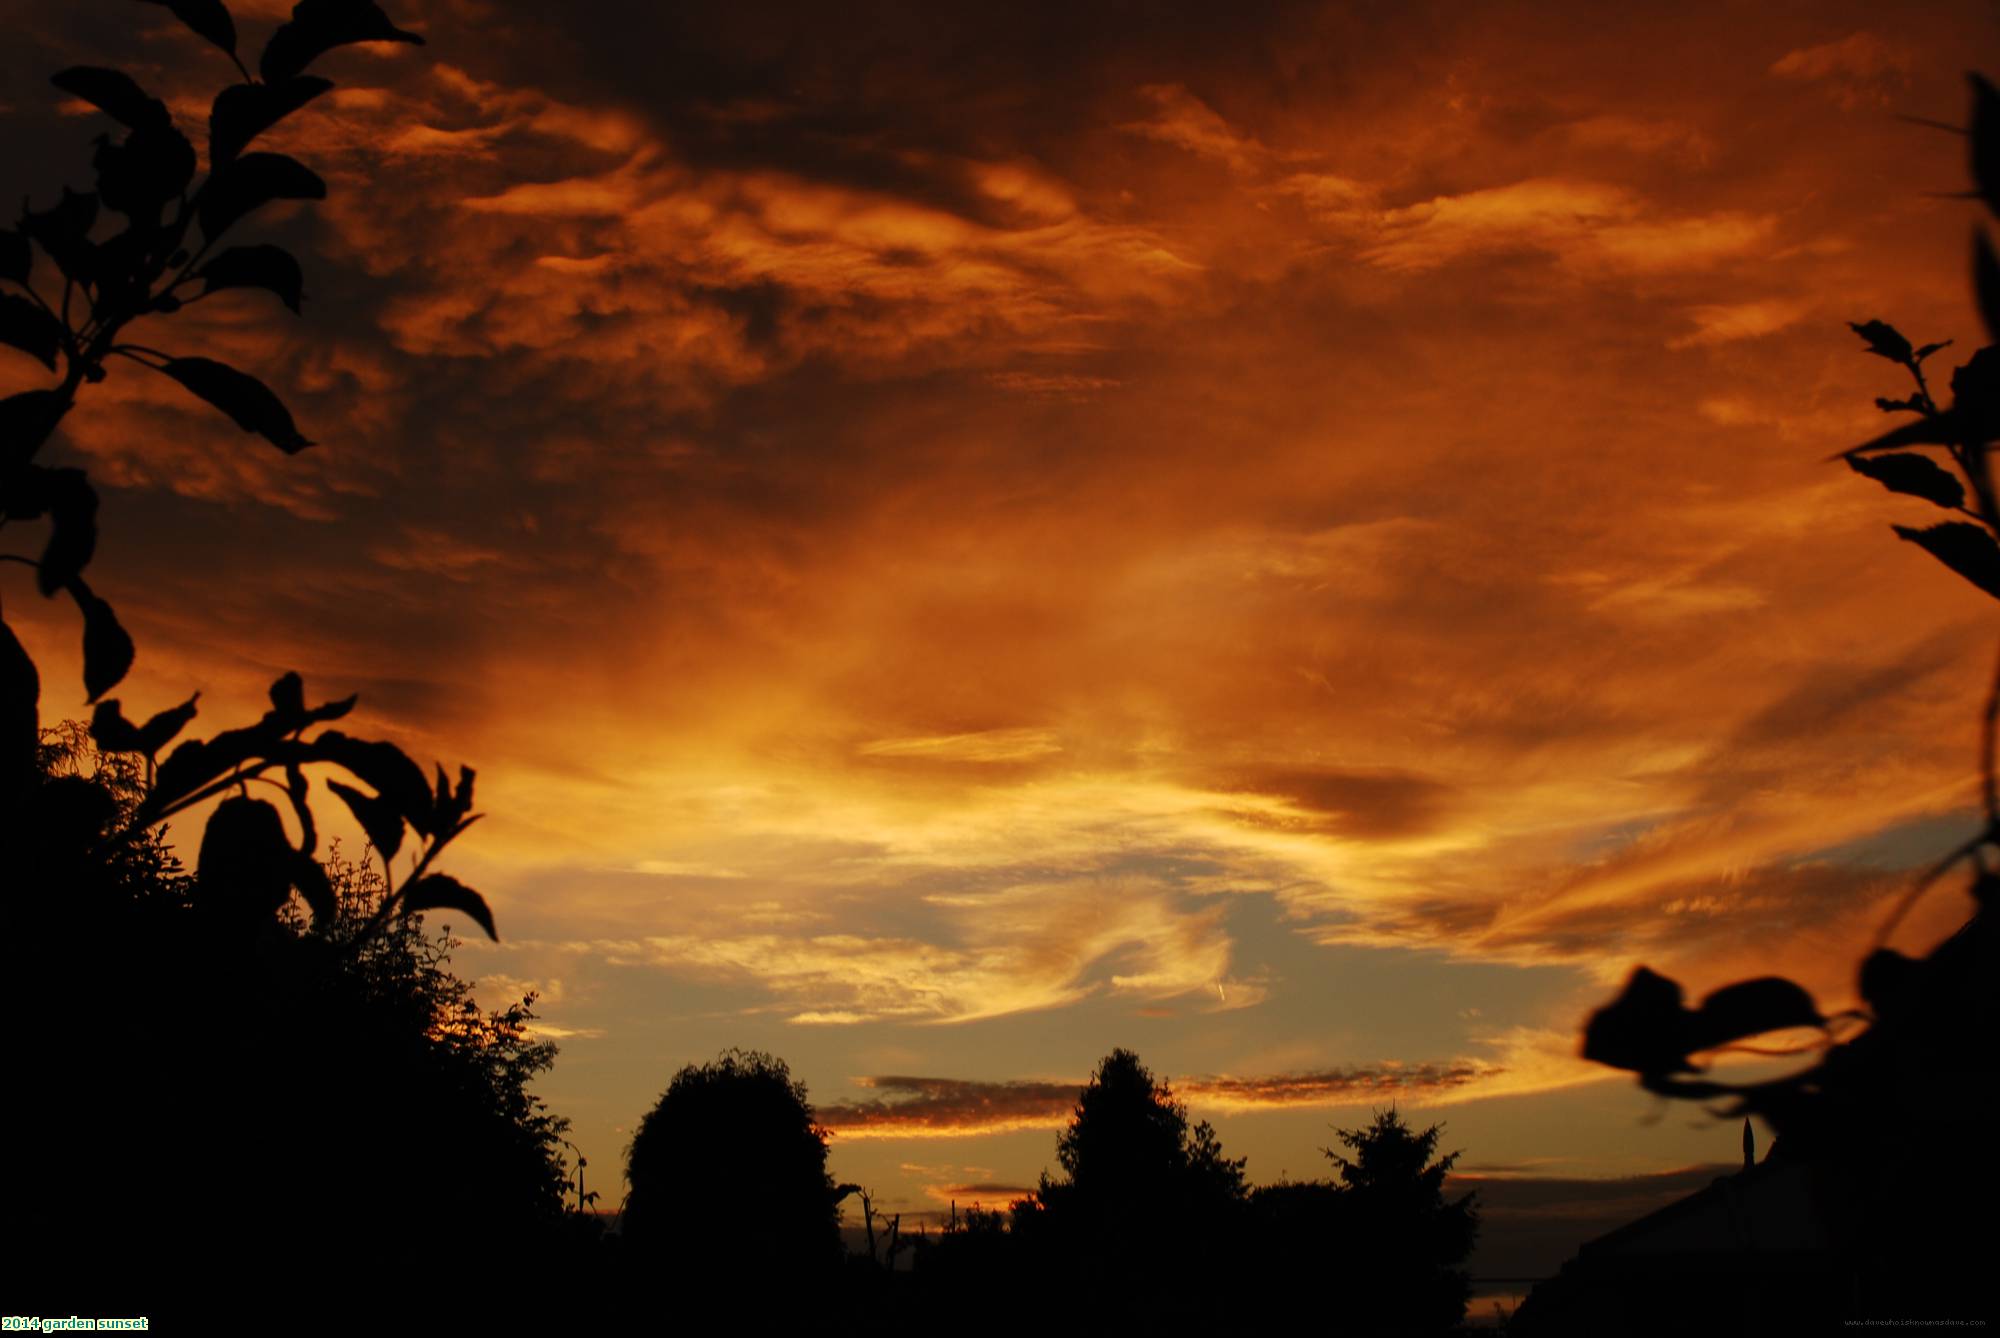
(1149, 1208)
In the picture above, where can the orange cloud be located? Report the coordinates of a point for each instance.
(1589, 226)
(907, 546)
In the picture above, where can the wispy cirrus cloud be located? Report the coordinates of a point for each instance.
(1860, 68)
(1019, 949)
(1585, 225)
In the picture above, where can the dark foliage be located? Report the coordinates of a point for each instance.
(104, 276)
(1890, 1119)
(1145, 1223)
(1406, 1242)
(1129, 1147)
(216, 1100)
(727, 1180)
(1154, 1227)
(219, 1104)
(1380, 1235)
(1140, 1183)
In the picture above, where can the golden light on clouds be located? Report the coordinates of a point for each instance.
(950, 557)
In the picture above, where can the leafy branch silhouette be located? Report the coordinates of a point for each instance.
(168, 255)
(1916, 1010)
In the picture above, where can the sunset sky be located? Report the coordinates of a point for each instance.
(1296, 539)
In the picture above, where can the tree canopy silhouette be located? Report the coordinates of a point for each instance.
(224, 1093)
(1410, 1242)
(1146, 1200)
(1381, 1235)
(1129, 1149)
(727, 1176)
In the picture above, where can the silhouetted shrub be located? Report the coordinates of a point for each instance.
(305, 1094)
(727, 1180)
(213, 1100)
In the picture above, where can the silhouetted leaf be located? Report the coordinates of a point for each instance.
(17, 257)
(1939, 429)
(1888, 979)
(26, 420)
(318, 26)
(115, 734)
(113, 93)
(333, 710)
(288, 696)
(1975, 392)
(198, 762)
(1643, 1029)
(1884, 340)
(243, 397)
(1986, 283)
(20, 722)
(1985, 142)
(125, 270)
(137, 177)
(161, 728)
(251, 182)
(289, 713)
(107, 650)
(377, 816)
(64, 232)
(385, 768)
(268, 267)
(1910, 405)
(298, 790)
(1929, 349)
(453, 806)
(208, 18)
(242, 112)
(315, 889)
(246, 865)
(25, 326)
(111, 731)
(1966, 548)
(72, 508)
(441, 892)
(1647, 1030)
(1750, 1008)
(1917, 475)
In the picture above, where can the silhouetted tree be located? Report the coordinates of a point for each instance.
(1410, 1242)
(1129, 1146)
(1380, 1239)
(727, 1179)
(1147, 1202)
